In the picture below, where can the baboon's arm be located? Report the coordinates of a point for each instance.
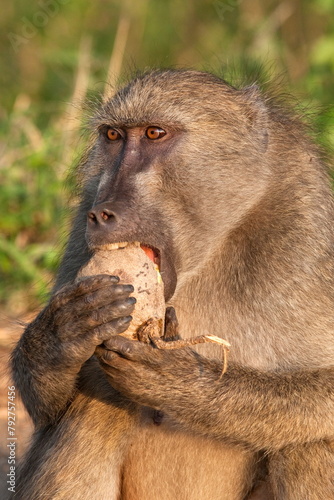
(45, 386)
(264, 410)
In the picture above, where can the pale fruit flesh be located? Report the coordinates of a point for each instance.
(133, 267)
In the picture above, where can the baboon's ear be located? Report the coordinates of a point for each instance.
(257, 113)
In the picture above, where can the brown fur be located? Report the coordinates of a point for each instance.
(239, 202)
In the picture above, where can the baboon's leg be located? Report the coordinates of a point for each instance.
(81, 457)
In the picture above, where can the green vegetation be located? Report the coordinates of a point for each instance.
(55, 51)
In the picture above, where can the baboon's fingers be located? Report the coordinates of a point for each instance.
(113, 298)
(129, 349)
(106, 331)
(82, 287)
(171, 332)
(117, 309)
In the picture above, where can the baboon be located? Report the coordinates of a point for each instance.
(233, 198)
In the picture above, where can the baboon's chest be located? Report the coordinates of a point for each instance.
(164, 462)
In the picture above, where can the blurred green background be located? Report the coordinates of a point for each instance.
(55, 53)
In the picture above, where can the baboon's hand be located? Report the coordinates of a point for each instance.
(63, 337)
(146, 374)
(84, 314)
(140, 371)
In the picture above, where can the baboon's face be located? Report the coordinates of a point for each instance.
(176, 164)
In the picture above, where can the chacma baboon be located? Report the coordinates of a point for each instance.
(232, 197)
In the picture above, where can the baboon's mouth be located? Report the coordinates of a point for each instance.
(152, 253)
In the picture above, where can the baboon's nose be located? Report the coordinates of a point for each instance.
(106, 221)
(101, 216)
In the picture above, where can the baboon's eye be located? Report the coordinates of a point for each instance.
(113, 135)
(154, 133)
